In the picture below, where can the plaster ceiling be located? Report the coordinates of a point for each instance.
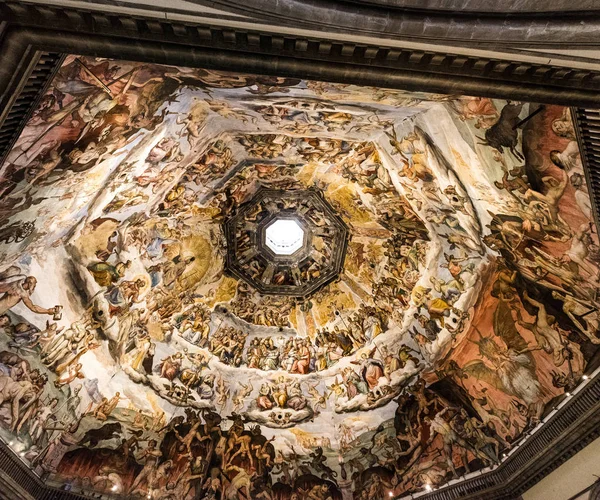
(463, 308)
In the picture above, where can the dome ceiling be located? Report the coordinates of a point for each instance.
(234, 286)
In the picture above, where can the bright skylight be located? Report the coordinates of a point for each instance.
(284, 236)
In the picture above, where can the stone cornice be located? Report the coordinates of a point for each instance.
(93, 33)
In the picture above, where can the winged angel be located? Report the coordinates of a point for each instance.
(512, 367)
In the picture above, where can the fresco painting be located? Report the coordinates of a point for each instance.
(133, 364)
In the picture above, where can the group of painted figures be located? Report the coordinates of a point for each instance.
(295, 355)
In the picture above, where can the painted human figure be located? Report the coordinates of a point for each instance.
(581, 313)
(577, 254)
(319, 492)
(212, 485)
(262, 455)
(64, 343)
(372, 370)
(150, 455)
(280, 393)
(74, 401)
(17, 288)
(302, 361)
(50, 457)
(181, 488)
(143, 345)
(108, 480)
(106, 407)
(241, 483)
(547, 334)
(264, 401)
(439, 426)
(171, 365)
(296, 399)
(37, 427)
(106, 274)
(353, 383)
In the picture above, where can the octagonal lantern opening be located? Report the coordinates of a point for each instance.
(284, 236)
(285, 242)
